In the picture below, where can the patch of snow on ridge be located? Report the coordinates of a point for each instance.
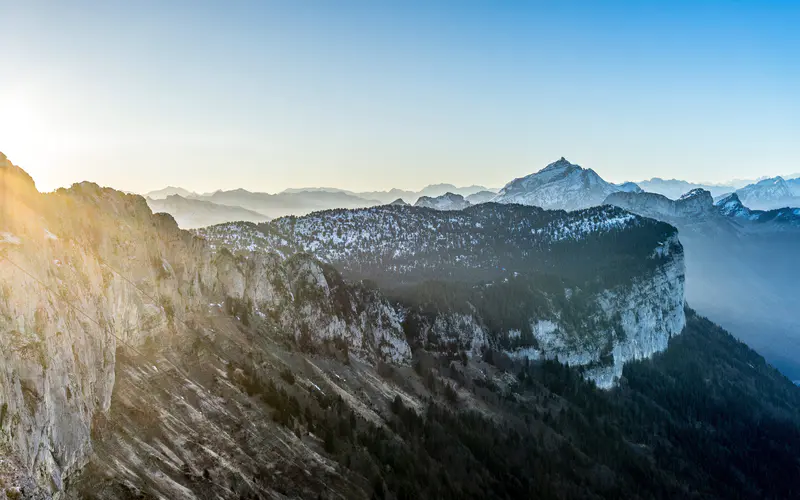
(581, 228)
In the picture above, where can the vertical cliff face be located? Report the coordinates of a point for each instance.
(649, 312)
(87, 270)
(627, 322)
(495, 266)
(65, 309)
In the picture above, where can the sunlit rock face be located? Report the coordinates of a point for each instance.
(87, 269)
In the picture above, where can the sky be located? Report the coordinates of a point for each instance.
(367, 95)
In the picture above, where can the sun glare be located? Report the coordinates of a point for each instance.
(24, 134)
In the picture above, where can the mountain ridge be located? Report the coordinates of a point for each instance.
(407, 246)
(143, 361)
(193, 213)
(770, 194)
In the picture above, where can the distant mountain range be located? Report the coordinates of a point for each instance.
(258, 207)
(384, 197)
(278, 205)
(767, 194)
(560, 185)
(674, 188)
(192, 213)
(161, 194)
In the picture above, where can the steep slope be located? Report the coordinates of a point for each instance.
(190, 213)
(138, 361)
(87, 271)
(623, 303)
(706, 419)
(447, 201)
(781, 218)
(794, 186)
(560, 185)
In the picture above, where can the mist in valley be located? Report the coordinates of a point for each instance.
(753, 293)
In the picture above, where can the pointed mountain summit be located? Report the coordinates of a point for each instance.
(731, 205)
(560, 185)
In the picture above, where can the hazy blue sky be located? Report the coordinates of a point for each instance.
(373, 95)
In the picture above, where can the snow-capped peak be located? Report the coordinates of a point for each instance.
(694, 193)
(560, 185)
(731, 205)
(560, 164)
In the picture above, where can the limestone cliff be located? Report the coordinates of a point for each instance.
(87, 269)
(89, 272)
(493, 253)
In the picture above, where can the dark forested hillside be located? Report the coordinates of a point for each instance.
(706, 419)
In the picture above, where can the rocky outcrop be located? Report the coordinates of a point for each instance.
(697, 203)
(87, 270)
(696, 208)
(631, 322)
